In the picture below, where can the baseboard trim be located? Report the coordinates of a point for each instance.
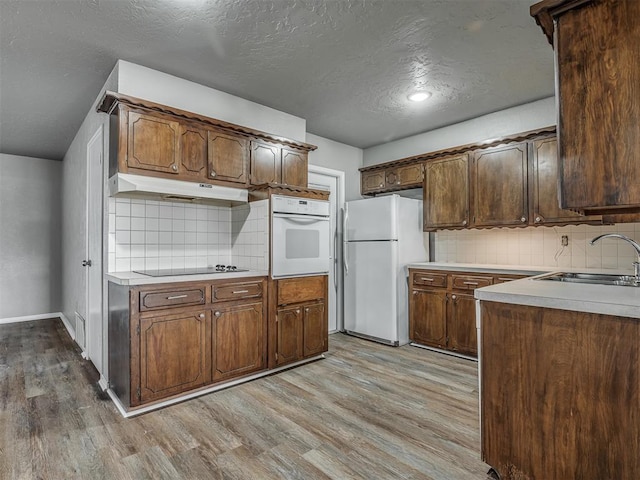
(28, 318)
(104, 385)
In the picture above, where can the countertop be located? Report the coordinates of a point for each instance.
(580, 297)
(131, 278)
(483, 268)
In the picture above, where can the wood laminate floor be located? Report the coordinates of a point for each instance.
(367, 411)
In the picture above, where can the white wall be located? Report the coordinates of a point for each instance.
(30, 218)
(522, 118)
(165, 89)
(338, 156)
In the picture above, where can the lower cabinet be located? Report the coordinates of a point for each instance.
(300, 319)
(238, 340)
(442, 308)
(173, 354)
(162, 345)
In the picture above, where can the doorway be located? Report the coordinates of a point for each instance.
(331, 180)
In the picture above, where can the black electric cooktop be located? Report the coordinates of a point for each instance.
(169, 272)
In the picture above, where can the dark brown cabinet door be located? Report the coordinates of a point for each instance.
(545, 187)
(428, 317)
(371, 182)
(153, 143)
(265, 163)
(597, 80)
(173, 354)
(238, 344)
(446, 193)
(193, 152)
(294, 168)
(315, 329)
(228, 157)
(499, 177)
(289, 346)
(461, 326)
(406, 176)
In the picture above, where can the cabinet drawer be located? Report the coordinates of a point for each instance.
(237, 291)
(302, 289)
(507, 278)
(430, 279)
(172, 298)
(467, 282)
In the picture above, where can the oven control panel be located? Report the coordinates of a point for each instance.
(299, 206)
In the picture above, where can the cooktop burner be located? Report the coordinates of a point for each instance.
(168, 272)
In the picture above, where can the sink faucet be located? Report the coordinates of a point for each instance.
(634, 244)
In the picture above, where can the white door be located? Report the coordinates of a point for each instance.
(370, 297)
(333, 181)
(93, 257)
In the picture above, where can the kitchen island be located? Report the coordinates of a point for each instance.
(560, 380)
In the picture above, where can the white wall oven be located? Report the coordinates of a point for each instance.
(300, 231)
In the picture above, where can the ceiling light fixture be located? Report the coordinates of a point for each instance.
(420, 96)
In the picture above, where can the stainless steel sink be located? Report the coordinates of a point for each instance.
(594, 278)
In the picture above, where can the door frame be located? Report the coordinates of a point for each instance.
(336, 249)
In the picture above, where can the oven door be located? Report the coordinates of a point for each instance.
(299, 245)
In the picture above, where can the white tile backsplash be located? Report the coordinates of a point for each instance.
(146, 234)
(540, 246)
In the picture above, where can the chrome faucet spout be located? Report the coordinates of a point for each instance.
(633, 243)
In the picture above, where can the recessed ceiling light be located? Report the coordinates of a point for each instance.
(419, 96)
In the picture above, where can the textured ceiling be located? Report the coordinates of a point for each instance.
(346, 66)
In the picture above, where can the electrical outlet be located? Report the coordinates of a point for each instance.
(564, 240)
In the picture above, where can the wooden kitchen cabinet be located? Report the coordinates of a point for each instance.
(372, 182)
(428, 317)
(404, 176)
(560, 392)
(193, 151)
(446, 193)
(461, 324)
(167, 339)
(173, 354)
(300, 322)
(228, 157)
(274, 164)
(499, 186)
(239, 340)
(153, 143)
(597, 46)
(544, 178)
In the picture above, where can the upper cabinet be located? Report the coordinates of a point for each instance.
(404, 176)
(155, 140)
(597, 47)
(372, 182)
(378, 179)
(278, 165)
(499, 185)
(446, 192)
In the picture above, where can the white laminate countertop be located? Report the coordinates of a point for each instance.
(132, 278)
(483, 268)
(580, 297)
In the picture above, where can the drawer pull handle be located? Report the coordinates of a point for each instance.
(427, 279)
(470, 283)
(175, 297)
(240, 291)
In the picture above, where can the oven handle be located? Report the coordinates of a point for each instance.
(301, 219)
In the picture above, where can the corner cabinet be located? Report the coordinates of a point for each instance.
(300, 319)
(442, 308)
(597, 47)
(168, 339)
(156, 140)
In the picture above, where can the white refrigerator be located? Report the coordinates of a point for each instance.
(381, 236)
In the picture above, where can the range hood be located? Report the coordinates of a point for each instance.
(155, 188)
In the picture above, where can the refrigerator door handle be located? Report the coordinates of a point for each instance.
(345, 255)
(335, 260)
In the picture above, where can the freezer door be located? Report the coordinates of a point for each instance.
(370, 297)
(372, 219)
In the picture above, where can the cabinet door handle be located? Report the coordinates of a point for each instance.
(471, 283)
(453, 297)
(538, 219)
(235, 292)
(201, 315)
(217, 313)
(464, 223)
(212, 174)
(174, 297)
(298, 310)
(174, 168)
(306, 309)
(523, 219)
